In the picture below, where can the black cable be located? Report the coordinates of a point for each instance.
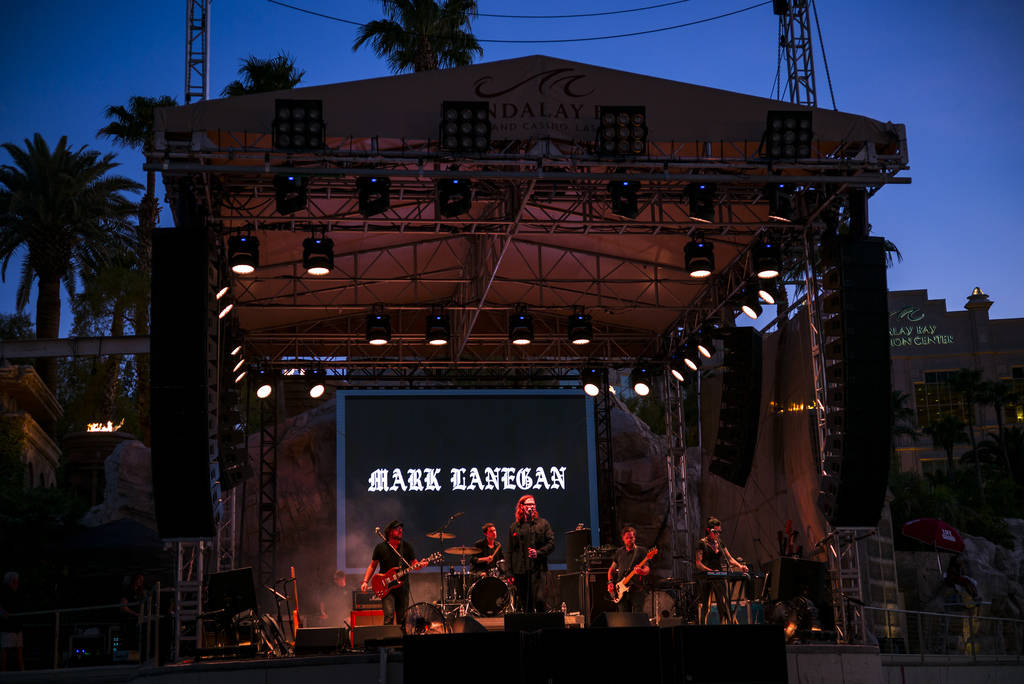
(824, 58)
(585, 14)
(552, 40)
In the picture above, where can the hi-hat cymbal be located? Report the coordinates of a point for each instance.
(440, 535)
(462, 550)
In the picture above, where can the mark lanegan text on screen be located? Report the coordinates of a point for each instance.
(466, 479)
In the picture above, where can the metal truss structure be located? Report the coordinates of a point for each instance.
(197, 50)
(795, 41)
(267, 507)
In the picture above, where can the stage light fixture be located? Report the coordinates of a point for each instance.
(749, 303)
(316, 382)
(705, 342)
(767, 255)
(623, 198)
(690, 354)
(465, 126)
(520, 326)
(699, 256)
(264, 383)
(454, 197)
(318, 255)
(438, 329)
(378, 327)
(221, 292)
(225, 309)
(236, 351)
(298, 125)
(243, 253)
(290, 193)
(374, 194)
(780, 201)
(580, 329)
(622, 130)
(678, 367)
(590, 378)
(788, 134)
(767, 291)
(701, 197)
(240, 377)
(241, 362)
(642, 380)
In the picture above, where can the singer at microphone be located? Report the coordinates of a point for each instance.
(530, 541)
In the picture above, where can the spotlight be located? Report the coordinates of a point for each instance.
(318, 255)
(767, 291)
(642, 380)
(378, 327)
(454, 197)
(236, 351)
(623, 130)
(624, 202)
(691, 355)
(243, 253)
(465, 126)
(704, 342)
(315, 380)
(225, 309)
(699, 256)
(678, 367)
(374, 194)
(590, 378)
(788, 134)
(438, 329)
(264, 383)
(780, 201)
(241, 362)
(298, 125)
(221, 292)
(767, 255)
(749, 303)
(520, 326)
(702, 201)
(580, 329)
(240, 377)
(290, 193)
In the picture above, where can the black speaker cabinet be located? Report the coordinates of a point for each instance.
(574, 656)
(571, 590)
(702, 654)
(373, 636)
(575, 542)
(231, 592)
(495, 657)
(530, 622)
(740, 411)
(310, 640)
(467, 625)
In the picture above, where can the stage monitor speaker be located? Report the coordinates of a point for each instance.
(179, 411)
(575, 542)
(467, 625)
(740, 411)
(494, 656)
(530, 622)
(572, 656)
(699, 654)
(310, 640)
(231, 592)
(792, 577)
(378, 635)
(617, 619)
(859, 383)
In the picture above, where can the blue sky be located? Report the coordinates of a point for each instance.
(951, 71)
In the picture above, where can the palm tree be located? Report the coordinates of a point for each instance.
(946, 432)
(422, 35)
(968, 383)
(902, 421)
(70, 213)
(264, 75)
(133, 126)
(998, 394)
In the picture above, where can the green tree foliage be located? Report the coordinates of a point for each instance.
(946, 433)
(649, 409)
(422, 35)
(264, 76)
(65, 211)
(16, 326)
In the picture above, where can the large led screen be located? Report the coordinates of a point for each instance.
(461, 458)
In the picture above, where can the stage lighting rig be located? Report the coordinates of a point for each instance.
(701, 197)
(378, 326)
(318, 255)
(438, 329)
(699, 256)
(767, 257)
(374, 194)
(290, 193)
(642, 379)
(454, 197)
(590, 379)
(622, 130)
(624, 198)
(788, 134)
(243, 253)
(520, 326)
(580, 328)
(465, 126)
(316, 382)
(780, 202)
(298, 125)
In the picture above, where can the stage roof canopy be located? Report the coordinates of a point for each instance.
(540, 233)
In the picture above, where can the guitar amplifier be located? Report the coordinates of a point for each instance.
(365, 600)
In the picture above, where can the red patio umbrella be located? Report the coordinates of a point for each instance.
(940, 534)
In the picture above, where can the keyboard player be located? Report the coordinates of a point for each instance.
(712, 557)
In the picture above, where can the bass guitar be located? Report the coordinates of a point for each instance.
(383, 583)
(622, 586)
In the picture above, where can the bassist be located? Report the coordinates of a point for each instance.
(385, 557)
(627, 557)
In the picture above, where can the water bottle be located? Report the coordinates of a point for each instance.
(563, 607)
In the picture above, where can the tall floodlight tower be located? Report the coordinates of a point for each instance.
(795, 41)
(197, 50)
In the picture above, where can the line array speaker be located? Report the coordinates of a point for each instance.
(741, 406)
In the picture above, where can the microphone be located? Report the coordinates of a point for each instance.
(457, 515)
(379, 533)
(276, 593)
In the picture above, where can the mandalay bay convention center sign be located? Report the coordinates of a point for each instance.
(911, 327)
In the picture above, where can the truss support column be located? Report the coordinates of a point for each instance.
(197, 51)
(188, 567)
(607, 518)
(844, 571)
(267, 509)
(678, 498)
(795, 40)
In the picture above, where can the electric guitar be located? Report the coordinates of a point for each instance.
(622, 586)
(383, 583)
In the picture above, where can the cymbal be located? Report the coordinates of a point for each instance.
(462, 550)
(441, 535)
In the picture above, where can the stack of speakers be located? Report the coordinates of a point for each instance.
(857, 380)
(741, 405)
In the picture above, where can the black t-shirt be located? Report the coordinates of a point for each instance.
(626, 561)
(486, 550)
(386, 557)
(536, 534)
(715, 560)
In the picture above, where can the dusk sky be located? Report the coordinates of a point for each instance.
(951, 71)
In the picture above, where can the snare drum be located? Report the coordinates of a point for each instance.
(456, 586)
(490, 597)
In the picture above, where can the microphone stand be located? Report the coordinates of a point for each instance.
(440, 548)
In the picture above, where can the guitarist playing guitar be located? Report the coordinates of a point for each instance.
(392, 554)
(630, 565)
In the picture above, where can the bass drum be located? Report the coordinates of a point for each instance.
(425, 618)
(490, 597)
